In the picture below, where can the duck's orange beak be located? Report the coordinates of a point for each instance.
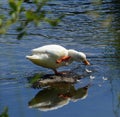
(86, 62)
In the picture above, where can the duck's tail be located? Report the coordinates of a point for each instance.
(33, 57)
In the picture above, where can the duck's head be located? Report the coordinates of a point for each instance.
(78, 56)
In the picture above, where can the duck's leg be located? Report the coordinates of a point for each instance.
(64, 58)
(60, 73)
(56, 72)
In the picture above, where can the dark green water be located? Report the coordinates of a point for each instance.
(96, 34)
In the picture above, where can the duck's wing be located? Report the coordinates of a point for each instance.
(53, 51)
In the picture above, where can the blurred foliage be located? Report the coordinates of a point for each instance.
(21, 14)
(35, 77)
(97, 15)
(4, 113)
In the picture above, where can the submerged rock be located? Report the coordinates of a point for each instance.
(51, 79)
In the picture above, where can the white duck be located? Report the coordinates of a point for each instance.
(55, 56)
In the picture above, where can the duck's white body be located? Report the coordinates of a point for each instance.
(54, 56)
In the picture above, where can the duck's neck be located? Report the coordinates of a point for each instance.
(72, 53)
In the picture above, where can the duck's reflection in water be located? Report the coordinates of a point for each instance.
(57, 96)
